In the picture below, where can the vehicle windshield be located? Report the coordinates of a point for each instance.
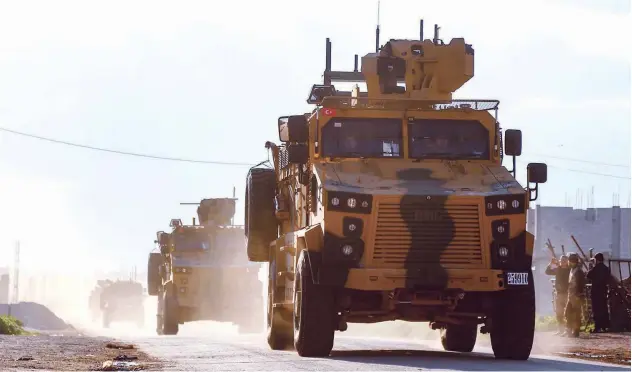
(448, 139)
(362, 137)
(192, 241)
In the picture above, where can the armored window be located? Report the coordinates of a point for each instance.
(362, 137)
(448, 139)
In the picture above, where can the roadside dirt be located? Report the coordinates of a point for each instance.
(69, 352)
(602, 347)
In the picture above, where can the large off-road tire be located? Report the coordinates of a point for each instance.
(153, 274)
(170, 310)
(513, 322)
(261, 225)
(278, 319)
(314, 313)
(461, 338)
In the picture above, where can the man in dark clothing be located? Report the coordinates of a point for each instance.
(576, 296)
(599, 277)
(561, 272)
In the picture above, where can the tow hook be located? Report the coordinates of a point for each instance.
(485, 328)
(342, 323)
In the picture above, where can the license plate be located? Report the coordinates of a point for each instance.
(517, 278)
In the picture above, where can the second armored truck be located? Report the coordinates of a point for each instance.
(202, 273)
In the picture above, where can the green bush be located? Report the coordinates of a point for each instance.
(11, 326)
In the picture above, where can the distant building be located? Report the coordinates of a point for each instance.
(604, 229)
(4, 289)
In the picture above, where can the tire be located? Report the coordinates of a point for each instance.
(513, 322)
(260, 225)
(278, 319)
(461, 338)
(153, 275)
(170, 324)
(314, 313)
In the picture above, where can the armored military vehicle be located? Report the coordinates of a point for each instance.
(393, 203)
(118, 301)
(202, 273)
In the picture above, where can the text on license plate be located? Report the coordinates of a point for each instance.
(517, 278)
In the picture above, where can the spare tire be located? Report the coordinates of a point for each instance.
(260, 224)
(153, 273)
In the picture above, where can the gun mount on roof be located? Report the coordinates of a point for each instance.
(219, 211)
(428, 70)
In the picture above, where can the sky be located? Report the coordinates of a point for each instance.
(197, 80)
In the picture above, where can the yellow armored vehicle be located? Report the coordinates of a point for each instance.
(201, 272)
(118, 301)
(393, 204)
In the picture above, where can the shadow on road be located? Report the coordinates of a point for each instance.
(467, 362)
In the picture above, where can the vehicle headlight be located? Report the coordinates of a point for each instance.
(503, 251)
(496, 205)
(349, 202)
(500, 229)
(347, 250)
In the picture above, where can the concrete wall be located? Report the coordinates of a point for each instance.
(606, 230)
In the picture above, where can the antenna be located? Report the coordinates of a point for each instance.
(421, 29)
(436, 34)
(377, 29)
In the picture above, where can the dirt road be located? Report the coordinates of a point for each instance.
(219, 348)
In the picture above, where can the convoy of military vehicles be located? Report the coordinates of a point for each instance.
(385, 204)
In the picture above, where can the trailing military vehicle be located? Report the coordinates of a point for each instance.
(394, 204)
(118, 301)
(202, 273)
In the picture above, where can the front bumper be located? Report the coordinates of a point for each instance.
(470, 280)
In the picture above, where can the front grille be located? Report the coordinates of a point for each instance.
(414, 234)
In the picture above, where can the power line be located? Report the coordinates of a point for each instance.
(583, 171)
(583, 161)
(122, 152)
(249, 164)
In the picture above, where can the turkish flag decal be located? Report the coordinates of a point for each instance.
(328, 111)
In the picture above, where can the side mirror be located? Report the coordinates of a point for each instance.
(297, 153)
(293, 129)
(513, 142)
(537, 172)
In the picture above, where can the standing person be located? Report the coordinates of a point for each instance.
(561, 272)
(576, 296)
(599, 277)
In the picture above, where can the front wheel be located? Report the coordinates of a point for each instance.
(170, 312)
(513, 322)
(279, 325)
(314, 313)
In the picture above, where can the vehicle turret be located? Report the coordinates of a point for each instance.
(405, 69)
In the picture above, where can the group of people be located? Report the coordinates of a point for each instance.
(570, 287)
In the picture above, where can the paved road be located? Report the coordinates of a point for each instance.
(217, 348)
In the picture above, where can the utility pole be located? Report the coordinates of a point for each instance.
(16, 278)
